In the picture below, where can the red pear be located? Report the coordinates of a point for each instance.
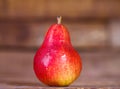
(56, 62)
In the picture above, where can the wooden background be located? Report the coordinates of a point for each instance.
(94, 27)
(91, 23)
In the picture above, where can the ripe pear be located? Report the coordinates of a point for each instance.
(56, 62)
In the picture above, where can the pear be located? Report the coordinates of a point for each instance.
(56, 63)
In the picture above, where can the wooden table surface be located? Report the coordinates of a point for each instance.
(101, 70)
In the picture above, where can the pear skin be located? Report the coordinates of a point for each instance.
(57, 63)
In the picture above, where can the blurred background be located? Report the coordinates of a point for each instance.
(94, 27)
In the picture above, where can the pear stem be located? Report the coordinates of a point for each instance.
(59, 19)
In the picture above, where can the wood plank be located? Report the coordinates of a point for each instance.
(28, 87)
(99, 9)
(31, 34)
(100, 70)
(87, 35)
